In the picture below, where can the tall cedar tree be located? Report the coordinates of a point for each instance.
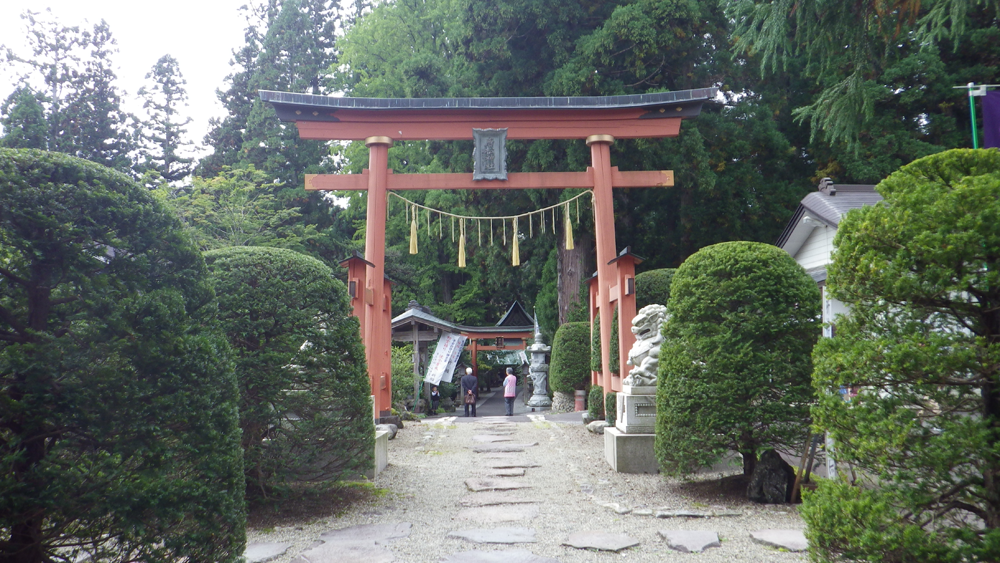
(288, 47)
(879, 75)
(82, 104)
(921, 275)
(120, 437)
(735, 361)
(163, 132)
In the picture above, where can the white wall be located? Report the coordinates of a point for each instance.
(816, 250)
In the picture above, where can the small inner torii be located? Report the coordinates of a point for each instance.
(598, 120)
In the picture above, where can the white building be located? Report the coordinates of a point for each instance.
(808, 238)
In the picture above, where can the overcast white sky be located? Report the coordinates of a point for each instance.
(200, 34)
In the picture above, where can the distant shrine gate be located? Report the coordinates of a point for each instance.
(380, 122)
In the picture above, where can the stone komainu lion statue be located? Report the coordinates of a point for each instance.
(645, 353)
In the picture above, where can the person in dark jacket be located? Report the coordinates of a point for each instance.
(470, 391)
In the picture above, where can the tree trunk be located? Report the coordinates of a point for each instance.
(571, 271)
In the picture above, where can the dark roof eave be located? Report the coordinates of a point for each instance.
(306, 103)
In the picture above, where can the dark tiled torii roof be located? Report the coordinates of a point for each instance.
(307, 102)
(828, 205)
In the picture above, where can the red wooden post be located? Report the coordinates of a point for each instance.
(604, 227)
(375, 325)
(625, 280)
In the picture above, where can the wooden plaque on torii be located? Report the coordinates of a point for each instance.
(599, 120)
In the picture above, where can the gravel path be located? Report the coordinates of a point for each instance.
(574, 488)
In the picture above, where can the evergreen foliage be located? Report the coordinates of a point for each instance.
(82, 104)
(568, 370)
(653, 287)
(164, 132)
(595, 344)
(237, 208)
(402, 374)
(595, 402)
(879, 74)
(119, 425)
(735, 361)
(305, 410)
(23, 119)
(921, 276)
(614, 354)
(611, 408)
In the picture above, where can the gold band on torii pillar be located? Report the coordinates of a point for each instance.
(600, 139)
(378, 140)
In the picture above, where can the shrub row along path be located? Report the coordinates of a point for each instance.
(532, 488)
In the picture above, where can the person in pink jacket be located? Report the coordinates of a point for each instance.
(509, 391)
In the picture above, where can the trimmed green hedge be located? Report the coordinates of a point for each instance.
(653, 287)
(614, 361)
(569, 369)
(305, 407)
(595, 402)
(611, 407)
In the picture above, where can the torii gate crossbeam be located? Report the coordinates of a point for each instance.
(599, 120)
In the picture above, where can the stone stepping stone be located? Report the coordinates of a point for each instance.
(494, 448)
(496, 535)
(507, 472)
(792, 540)
(374, 533)
(502, 513)
(602, 541)
(490, 498)
(346, 553)
(491, 439)
(261, 552)
(512, 464)
(690, 541)
(670, 513)
(511, 556)
(477, 485)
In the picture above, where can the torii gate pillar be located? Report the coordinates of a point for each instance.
(604, 227)
(377, 306)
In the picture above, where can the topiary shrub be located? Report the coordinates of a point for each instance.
(569, 369)
(402, 374)
(614, 361)
(595, 344)
(653, 287)
(118, 432)
(595, 402)
(735, 361)
(611, 408)
(920, 273)
(848, 523)
(305, 409)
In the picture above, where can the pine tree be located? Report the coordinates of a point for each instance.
(164, 132)
(82, 105)
(23, 119)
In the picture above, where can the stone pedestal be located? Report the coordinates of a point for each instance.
(630, 453)
(628, 446)
(636, 410)
(381, 453)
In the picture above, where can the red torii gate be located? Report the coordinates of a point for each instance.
(378, 121)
